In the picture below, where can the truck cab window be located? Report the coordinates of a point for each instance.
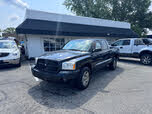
(97, 46)
(126, 42)
(139, 42)
(147, 41)
(118, 43)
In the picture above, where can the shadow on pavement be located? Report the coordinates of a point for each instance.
(6, 68)
(132, 61)
(63, 96)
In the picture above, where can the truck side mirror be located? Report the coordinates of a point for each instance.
(96, 50)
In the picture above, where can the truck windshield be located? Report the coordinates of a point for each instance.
(7, 45)
(78, 45)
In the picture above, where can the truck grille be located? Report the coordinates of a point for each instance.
(48, 65)
(4, 54)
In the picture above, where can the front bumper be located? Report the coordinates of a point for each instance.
(61, 76)
(10, 61)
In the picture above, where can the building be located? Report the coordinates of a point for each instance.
(44, 32)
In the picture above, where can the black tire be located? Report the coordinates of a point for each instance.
(113, 64)
(84, 79)
(146, 59)
(19, 64)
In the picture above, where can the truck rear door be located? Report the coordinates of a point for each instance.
(106, 52)
(137, 46)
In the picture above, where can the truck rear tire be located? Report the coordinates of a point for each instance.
(113, 64)
(146, 59)
(84, 78)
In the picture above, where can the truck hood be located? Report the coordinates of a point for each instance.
(63, 55)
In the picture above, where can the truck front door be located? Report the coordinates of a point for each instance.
(97, 55)
(124, 47)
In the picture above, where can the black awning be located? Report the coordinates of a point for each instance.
(41, 27)
(149, 36)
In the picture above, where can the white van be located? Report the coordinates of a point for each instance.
(9, 53)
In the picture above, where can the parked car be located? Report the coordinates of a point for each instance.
(9, 53)
(76, 61)
(136, 47)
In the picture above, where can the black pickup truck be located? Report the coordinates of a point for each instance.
(76, 61)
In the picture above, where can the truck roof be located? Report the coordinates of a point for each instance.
(94, 39)
(133, 38)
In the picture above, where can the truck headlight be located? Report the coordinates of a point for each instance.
(15, 54)
(68, 66)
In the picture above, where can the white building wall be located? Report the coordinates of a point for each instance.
(34, 46)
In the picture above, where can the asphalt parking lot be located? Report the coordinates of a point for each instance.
(125, 90)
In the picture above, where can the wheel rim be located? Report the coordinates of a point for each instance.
(146, 60)
(85, 78)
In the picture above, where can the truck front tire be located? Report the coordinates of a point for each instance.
(84, 78)
(146, 59)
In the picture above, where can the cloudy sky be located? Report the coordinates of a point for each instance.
(13, 11)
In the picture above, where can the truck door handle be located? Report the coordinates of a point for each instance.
(121, 47)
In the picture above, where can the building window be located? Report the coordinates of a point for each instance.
(51, 44)
(59, 43)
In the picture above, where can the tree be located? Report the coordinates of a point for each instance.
(135, 12)
(10, 30)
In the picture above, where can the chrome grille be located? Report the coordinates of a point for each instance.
(4, 54)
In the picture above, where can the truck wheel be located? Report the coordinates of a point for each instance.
(113, 64)
(146, 59)
(19, 64)
(84, 78)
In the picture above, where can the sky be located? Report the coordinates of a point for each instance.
(13, 11)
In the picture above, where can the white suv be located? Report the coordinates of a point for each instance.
(9, 53)
(136, 47)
